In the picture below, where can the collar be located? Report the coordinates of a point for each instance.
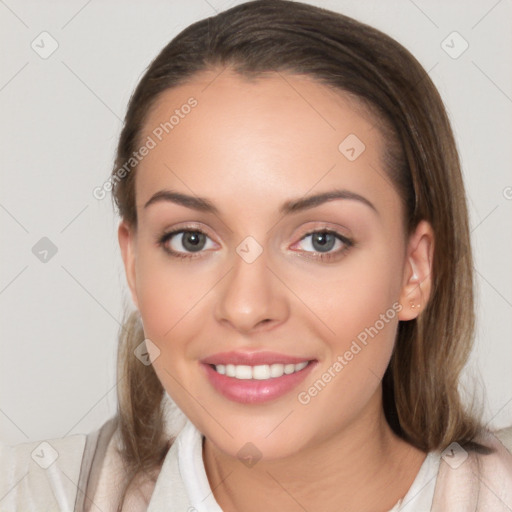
(182, 483)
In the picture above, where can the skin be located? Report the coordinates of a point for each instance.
(271, 140)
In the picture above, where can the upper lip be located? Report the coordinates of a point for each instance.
(252, 358)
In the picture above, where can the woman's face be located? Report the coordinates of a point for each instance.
(262, 280)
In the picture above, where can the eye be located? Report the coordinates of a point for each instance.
(191, 240)
(183, 243)
(322, 242)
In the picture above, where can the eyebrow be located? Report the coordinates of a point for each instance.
(289, 207)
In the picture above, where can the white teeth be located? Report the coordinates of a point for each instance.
(243, 372)
(259, 372)
(299, 366)
(276, 370)
(289, 368)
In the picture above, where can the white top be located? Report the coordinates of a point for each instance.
(189, 445)
(421, 493)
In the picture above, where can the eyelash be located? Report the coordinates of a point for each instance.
(348, 243)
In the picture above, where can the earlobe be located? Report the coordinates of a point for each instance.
(125, 235)
(417, 279)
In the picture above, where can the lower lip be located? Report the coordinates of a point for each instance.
(253, 391)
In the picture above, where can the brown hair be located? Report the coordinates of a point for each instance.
(420, 387)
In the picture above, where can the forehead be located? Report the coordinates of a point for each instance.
(278, 135)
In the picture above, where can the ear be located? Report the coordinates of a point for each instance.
(417, 279)
(126, 236)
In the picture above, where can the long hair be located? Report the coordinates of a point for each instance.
(421, 396)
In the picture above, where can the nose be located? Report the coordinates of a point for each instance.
(251, 297)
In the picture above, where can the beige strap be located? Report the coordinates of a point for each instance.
(505, 436)
(92, 460)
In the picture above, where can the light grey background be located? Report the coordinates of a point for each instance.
(60, 119)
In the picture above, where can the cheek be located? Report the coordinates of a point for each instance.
(173, 303)
(170, 307)
(352, 296)
(167, 293)
(358, 308)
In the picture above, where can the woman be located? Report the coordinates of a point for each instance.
(295, 238)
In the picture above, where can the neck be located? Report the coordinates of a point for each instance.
(365, 467)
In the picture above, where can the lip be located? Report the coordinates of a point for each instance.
(253, 358)
(253, 391)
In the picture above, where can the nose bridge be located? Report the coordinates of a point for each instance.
(249, 295)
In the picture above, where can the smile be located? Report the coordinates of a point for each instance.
(255, 377)
(259, 372)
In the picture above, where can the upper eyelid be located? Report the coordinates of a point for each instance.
(325, 230)
(319, 226)
(339, 236)
(205, 231)
(185, 229)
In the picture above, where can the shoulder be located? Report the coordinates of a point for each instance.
(493, 458)
(505, 437)
(494, 471)
(46, 470)
(103, 476)
(478, 477)
(56, 472)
